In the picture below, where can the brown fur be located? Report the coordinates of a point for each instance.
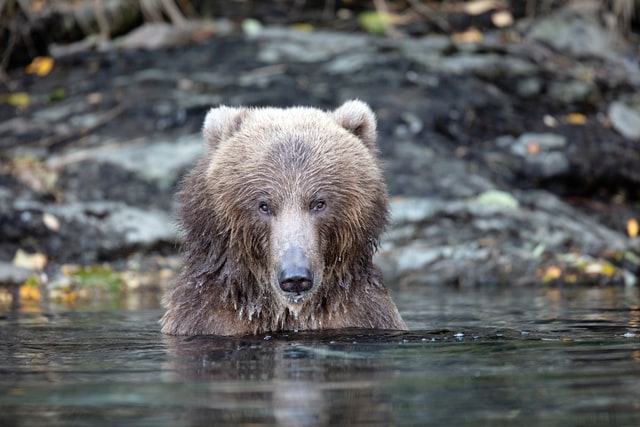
(286, 159)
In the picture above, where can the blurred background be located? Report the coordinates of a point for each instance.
(509, 131)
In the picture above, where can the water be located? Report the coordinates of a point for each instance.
(530, 357)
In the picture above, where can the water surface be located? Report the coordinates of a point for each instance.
(554, 357)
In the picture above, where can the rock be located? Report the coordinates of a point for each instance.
(572, 91)
(544, 154)
(154, 35)
(159, 162)
(437, 241)
(577, 34)
(625, 119)
(283, 45)
(12, 276)
(481, 64)
(89, 231)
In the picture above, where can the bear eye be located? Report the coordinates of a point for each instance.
(318, 205)
(263, 207)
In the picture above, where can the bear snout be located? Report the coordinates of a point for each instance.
(295, 274)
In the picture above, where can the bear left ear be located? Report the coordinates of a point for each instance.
(221, 123)
(356, 117)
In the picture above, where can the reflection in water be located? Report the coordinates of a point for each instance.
(297, 379)
(552, 357)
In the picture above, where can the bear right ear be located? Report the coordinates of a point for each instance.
(357, 117)
(221, 123)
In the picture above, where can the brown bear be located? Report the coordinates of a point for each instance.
(280, 221)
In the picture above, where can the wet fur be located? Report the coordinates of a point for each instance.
(285, 157)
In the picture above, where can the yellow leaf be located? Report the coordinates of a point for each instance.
(68, 298)
(41, 65)
(608, 270)
(600, 267)
(632, 227)
(303, 27)
(375, 22)
(17, 99)
(29, 293)
(551, 273)
(35, 261)
(576, 119)
(571, 278)
(469, 36)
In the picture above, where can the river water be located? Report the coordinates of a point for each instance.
(499, 357)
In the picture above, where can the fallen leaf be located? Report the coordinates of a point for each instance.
(29, 293)
(41, 65)
(498, 198)
(95, 98)
(598, 267)
(67, 297)
(470, 36)
(533, 148)
(17, 99)
(502, 19)
(632, 227)
(576, 119)
(551, 273)
(303, 27)
(37, 5)
(376, 22)
(608, 269)
(477, 7)
(57, 94)
(51, 222)
(570, 278)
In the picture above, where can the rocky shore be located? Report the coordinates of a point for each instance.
(512, 159)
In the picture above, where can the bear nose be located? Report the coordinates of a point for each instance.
(295, 273)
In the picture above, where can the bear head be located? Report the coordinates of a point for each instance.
(283, 214)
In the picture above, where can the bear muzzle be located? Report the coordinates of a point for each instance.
(295, 273)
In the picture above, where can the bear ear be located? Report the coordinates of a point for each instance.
(357, 117)
(221, 123)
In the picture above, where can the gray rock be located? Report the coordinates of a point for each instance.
(543, 154)
(484, 65)
(580, 35)
(625, 119)
(435, 241)
(90, 231)
(11, 276)
(284, 45)
(160, 162)
(567, 92)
